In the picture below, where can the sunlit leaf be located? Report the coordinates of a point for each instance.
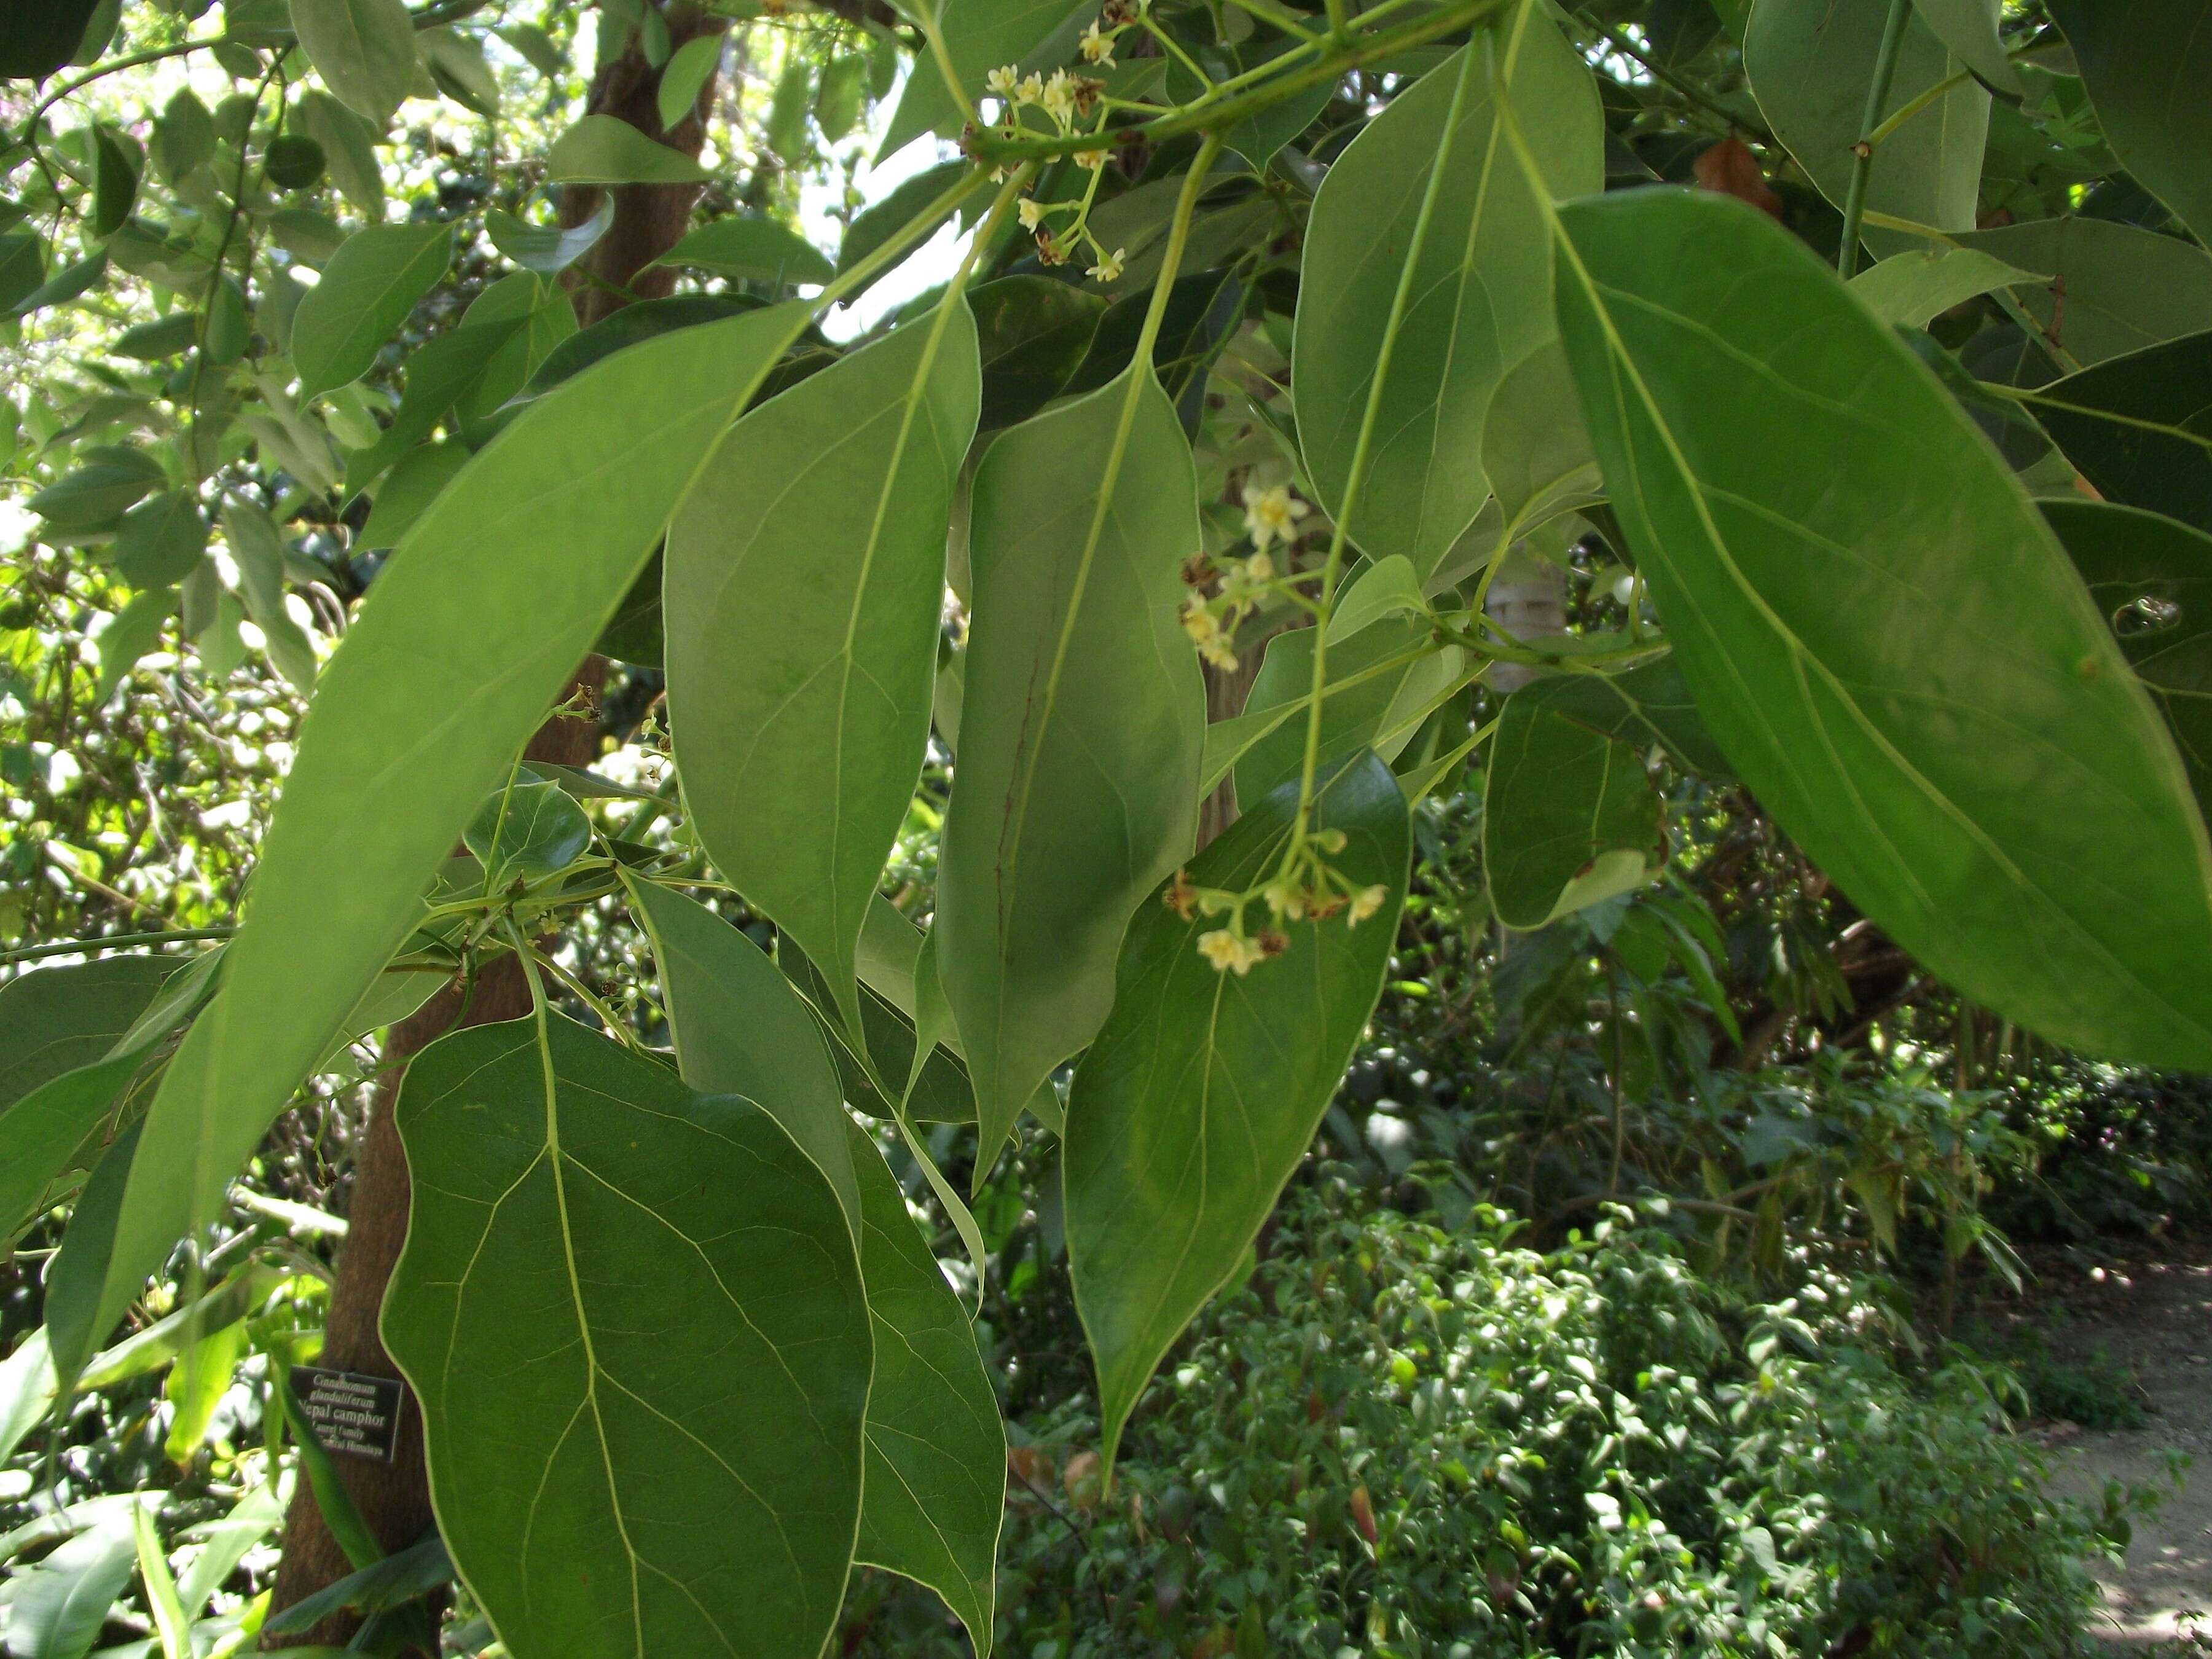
(368, 289)
(364, 50)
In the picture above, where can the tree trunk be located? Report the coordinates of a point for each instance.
(1528, 600)
(394, 1498)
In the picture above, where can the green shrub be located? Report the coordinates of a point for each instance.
(1398, 1440)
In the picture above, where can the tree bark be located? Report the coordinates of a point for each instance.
(394, 1498)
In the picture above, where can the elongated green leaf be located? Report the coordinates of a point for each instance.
(415, 1570)
(349, 146)
(53, 1020)
(1649, 705)
(980, 35)
(2140, 427)
(1079, 750)
(1382, 684)
(605, 149)
(936, 1469)
(751, 250)
(663, 1285)
(742, 1028)
(2146, 65)
(1913, 286)
(1810, 65)
(548, 250)
(1387, 588)
(1882, 633)
(480, 615)
(364, 50)
(1199, 1097)
(368, 289)
(685, 76)
(1033, 334)
(2152, 580)
(404, 495)
(2113, 288)
(1481, 295)
(41, 1134)
(58, 1607)
(442, 373)
(804, 580)
(1569, 815)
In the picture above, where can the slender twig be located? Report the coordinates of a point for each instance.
(1885, 73)
(114, 942)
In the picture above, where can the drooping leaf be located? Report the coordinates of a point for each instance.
(662, 1284)
(1569, 814)
(751, 250)
(1871, 613)
(936, 1466)
(115, 182)
(2139, 426)
(367, 289)
(605, 149)
(548, 250)
(1810, 65)
(439, 376)
(980, 35)
(1479, 295)
(1913, 286)
(2152, 581)
(804, 580)
(1199, 1097)
(481, 614)
(459, 70)
(2113, 288)
(364, 50)
(2146, 65)
(1080, 745)
(59, 1606)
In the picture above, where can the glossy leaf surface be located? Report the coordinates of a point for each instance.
(661, 1284)
(1481, 295)
(804, 580)
(1080, 745)
(1199, 1097)
(1882, 633)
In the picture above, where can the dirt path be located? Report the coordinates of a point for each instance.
(2153, 1319)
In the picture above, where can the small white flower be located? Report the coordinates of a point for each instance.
(1032, 213)
(1098, 46)
(1228, 953)
(1364, 904)
(1259, 568)
(1271, 515)
(1059, 97)
(1002, 82)
(1030, 89)
(1090, 160)
(1108, 268)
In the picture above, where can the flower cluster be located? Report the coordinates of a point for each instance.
(1271, 518)
(1306, 888)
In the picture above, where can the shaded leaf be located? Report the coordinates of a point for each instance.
(751, 250)
(548, 250)
(2139, 426)
(2146, 66)
(1914, 286)
(1033, 333)
(2113, 288)
(980, 35)
(527, 831)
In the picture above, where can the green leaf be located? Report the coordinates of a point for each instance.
(367, 289)
(2152, 581)
(164, 336)
(2139, 426)
(632, 325)
(527, 831)
(1032, 334)
(406, 495)
(786, 127)
(1535, 450)
(193, 1389)
(2113, 288)
(1968, 30)
(2145, 66)
(1569, 814)
(685, 77)
(837, 101)
(37, 37)
(135, 632)
(1647, 705)
(1481, 295)
(53, 1020)
(1202, 1092)
(980, 35)
(872, 227)
(804, 582)
(106, 482)
(742, 1028)
(257, 547)
(459, 70)
(440, 374)
(1386, 588)
(115, 183)
(1869, 609)
(605, 149)
(482, 614)
(60, 1605)
(184, 137)
(548, 250)
(364, 50)
(1810, 65)
(1913, 286)
(750, 250)
(348, 146)
(537, 48)
(936, 1464)
(414, 1571)
(1084, 729)
(663, 1284)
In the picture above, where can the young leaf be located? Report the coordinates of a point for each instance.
(368, 289)
(804, 580)
(663, 1284)
(1881, 631)
(2145, 66)
(363, 49)
(936, 1467)
(1810, 65)
(1199, 1097)
(526, 830)
(2152, 580)
(1481, 299)
(1084, 729)
(604, 149)
(1569, 815)
(480, 615)
(750, 250)
(2139, 426)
